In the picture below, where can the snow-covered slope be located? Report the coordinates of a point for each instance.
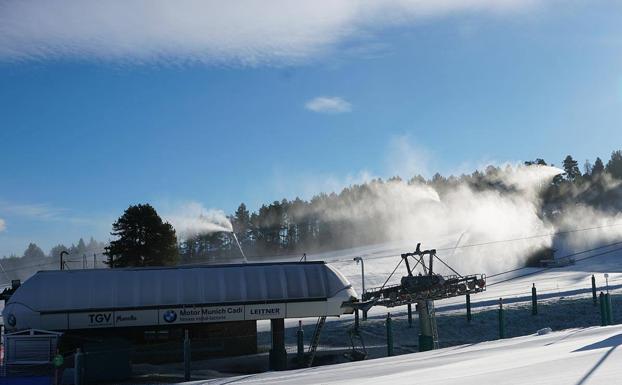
(571, 280)
(577, 357)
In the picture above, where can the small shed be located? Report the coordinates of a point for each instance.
(30, 347)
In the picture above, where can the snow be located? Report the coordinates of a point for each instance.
(576, 356)
(566, 281)
(380, 260)
(571, 356)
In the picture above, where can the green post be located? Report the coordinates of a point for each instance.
(389, 336)
(300, 338)
(609, 309)
(501, 320)
(534, 300)
(410, 316)
(603, 309)
(356, 320)
(186, 356)
(468, 306)
(594, 290)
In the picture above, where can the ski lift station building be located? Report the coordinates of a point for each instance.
(220, 303)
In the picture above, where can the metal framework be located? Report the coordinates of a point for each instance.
(424, 285)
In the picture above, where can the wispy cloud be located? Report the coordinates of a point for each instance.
(42, 212)
(328, 105)
(34, 211)
(246, 32)
(2, 225)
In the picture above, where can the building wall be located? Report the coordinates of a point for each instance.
(165, 343)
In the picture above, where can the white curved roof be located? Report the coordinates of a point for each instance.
(79, 290)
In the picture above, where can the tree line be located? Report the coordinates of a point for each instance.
(34, 258)
(294, 227)
(300, 226)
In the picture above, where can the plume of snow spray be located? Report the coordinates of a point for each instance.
(193, 219)
(416, 212)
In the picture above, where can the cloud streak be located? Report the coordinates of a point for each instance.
(2, 225)
(35, 210)
(42, 212)
(328, 105)
(246, 32)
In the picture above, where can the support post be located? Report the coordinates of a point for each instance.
(468, 307)
(360, 259)
(594, 297)
(300, 338)
(534, 300)
(356, 320)
(426, 337)
(501, 320)
(603, 309)
(609, 309)
(78, 365)
(62, 262)
(389, 335)
(187, 356)
(410, 316)
(278, 355)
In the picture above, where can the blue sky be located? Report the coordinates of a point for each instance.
(97, 114)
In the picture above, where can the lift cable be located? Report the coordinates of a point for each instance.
(493, 242)
(549, 268)
(391, 275)
(566, 256)
(530, 237)
(449, 267)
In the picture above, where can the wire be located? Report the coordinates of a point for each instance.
(549, 268)
(489, 242)
(530, 237)
(565, 256)
(391, 275)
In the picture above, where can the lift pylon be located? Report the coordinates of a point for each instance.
(422, 287)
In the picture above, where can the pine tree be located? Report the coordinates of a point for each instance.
(614, 166)
(34, 252)
(55, 251)
(242, 222)
(572, 168)
(143, 239)
(598, 167)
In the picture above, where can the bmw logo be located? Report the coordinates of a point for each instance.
(170, 316)
(11, 320)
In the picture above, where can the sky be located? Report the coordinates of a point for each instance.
(108, 104)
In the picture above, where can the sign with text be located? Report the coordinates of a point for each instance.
(267, 311)
(181, 315)
(97, 319)
(201, 314)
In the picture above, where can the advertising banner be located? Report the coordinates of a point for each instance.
(201, 314)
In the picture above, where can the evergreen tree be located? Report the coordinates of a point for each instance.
(55, 251)
(34, 252)
(598, 168)
(614, 166)
(78, 250)
(242, 222)
(572, 168)
(143, 239)
(538, 161)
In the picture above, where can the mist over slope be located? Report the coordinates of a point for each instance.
(519, 205)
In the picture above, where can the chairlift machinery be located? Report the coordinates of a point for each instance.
(422, 287)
